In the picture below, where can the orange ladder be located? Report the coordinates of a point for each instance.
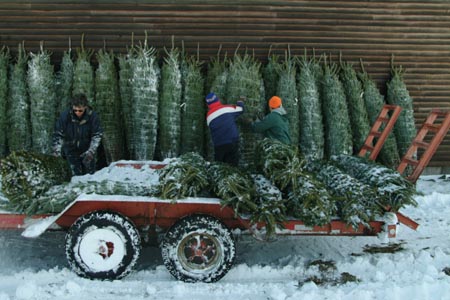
(383, 118)
(439, 130)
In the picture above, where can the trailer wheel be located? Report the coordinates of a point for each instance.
(103, 245)
(198, 248)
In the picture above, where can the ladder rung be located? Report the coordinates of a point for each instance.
(375, 133)
(441, 113)
(409, 161)
(383, 119)
(424, 145)
(432, 127)
(367, 147)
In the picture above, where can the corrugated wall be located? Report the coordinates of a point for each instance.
(417, 33)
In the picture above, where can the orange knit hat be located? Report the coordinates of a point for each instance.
(275, 102)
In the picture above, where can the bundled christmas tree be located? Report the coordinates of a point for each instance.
(18, 113)
(185, 176)
(311, 138)
(279, 162)
(270, 74)
(145, 102)
(216, 82)
(374, 103)
(234, 186)
(397, 94)
(108, 106)
(193, 107)
(271, 206)
(287, 91)
(306, 198)
(126, 96)
(169, 105)
(395, 189)
(27, 175)
(359, 204)
(83, 74)
(41, 88)
(4, 64)
(244, 79)
(64, 81)
(338, 135)
(359, 119)
(310, 201)
(216, 79)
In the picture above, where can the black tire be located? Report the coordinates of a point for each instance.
(190, 263)
(103, 245)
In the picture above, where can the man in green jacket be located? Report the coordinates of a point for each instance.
(274, 125)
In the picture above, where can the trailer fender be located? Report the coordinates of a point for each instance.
(37, 228)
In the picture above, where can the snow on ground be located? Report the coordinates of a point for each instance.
(278, 270)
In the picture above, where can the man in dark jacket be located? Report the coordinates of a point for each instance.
(274, 125)
(77, 136)
(221, 120)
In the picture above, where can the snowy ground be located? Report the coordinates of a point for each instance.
(282, 269)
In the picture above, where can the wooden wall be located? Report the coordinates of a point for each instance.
(417, 33)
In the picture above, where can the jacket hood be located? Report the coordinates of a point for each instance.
(280, 110)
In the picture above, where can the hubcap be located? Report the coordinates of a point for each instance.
(199, 252)
(102, 249)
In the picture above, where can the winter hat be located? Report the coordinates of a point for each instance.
(211, 98)
(275, 102)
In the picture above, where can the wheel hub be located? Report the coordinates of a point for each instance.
(106, 249)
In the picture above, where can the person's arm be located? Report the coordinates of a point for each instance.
(97, 133)
(264, 124)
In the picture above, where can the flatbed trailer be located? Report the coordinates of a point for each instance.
(104, 232)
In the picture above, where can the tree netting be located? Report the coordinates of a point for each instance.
(270, 75)
(396, 190)
(359, 203)
(311, 137)
(359, 119)
(64, 82)
(83, 75)
(42, 93)
(216, 82)
(109, 106)
(4, 64)
(374, 103)
(193, 107)
(145, 102)
(216, 78)
(397, 94)
(244, 80)
(169, 105)
(338, 136)
(126, 96)
(18, 113)
(287, 91)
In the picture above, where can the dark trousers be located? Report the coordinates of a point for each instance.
(228, 153)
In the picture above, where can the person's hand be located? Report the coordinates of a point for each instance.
(246, 121)
(56, 153)
(259, 115)
(87, 156)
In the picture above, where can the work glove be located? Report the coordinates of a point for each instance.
(246, 121)
(260, 115)
(87, 156)
(56, 152)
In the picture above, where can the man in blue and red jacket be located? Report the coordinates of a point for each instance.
(221, 120)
